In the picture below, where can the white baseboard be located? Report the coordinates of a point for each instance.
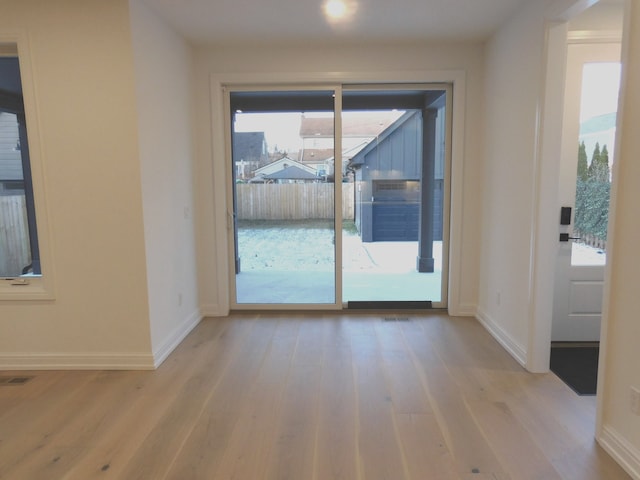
(503, 338)
(622, 451)
(77, 361)
(463, 310)
(103, 360)
(174, 339)
(212, 310)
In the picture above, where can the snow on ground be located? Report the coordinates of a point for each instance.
(584, 255)
(309, 246)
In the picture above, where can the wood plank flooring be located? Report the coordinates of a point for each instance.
(307, 397)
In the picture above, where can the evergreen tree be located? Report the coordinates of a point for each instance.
(604, 164)
(595, 162)
(592, 196)
(583, 166)
(599, 168)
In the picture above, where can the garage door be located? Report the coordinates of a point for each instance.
(396, 210)
(395, 221)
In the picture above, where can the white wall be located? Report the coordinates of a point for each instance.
(340, 65)
(83, 73)
(163, 70)
(514, 60)
(619, 429)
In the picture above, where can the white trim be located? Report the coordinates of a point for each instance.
(337, 195)
(212, 310)
(621, 450)
(173, 340)
(456, 100)
(220, 150)
(77, 361)
(502, 337)
(543, 206)
(39, 287)
(464, 310)
(457, 78)
(549, 110)
(594, 36)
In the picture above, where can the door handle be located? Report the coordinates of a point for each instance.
(564, 237)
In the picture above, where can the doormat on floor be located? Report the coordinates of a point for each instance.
(577, 366)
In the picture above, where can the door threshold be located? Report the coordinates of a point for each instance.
(389, 305)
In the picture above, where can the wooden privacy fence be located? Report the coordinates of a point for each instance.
(291, 201)
(592, 240)
(14, 235)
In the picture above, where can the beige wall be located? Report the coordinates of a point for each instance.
(82, 68)
(163, 71)
(619, 428)
(280, 64)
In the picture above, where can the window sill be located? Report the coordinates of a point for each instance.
(25, 288)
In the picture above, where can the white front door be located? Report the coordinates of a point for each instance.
(591, 91)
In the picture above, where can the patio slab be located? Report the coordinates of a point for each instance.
(288, 265)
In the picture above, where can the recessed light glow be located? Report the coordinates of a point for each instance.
(335, 9)
(339, 10)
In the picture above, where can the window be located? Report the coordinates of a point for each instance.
(21, 271)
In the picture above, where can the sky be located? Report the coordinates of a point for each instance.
(600, 86)
(281, 129)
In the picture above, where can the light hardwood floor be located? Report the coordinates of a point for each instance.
(307, 397)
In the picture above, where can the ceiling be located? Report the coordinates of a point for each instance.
(251, 22)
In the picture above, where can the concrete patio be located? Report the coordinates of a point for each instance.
(289, 265)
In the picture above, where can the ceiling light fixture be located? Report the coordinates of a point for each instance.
(337, 11)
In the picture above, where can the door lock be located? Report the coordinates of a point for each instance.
(565, 216)
(564, 237)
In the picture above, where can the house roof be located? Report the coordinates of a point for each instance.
(315, 155)
(358, 159)
(354, 124)
(291, 173)
(10, 75)
(248, 146)
(283, 162)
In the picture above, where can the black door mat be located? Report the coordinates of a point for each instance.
(576, 365)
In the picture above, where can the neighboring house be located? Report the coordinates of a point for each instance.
(300, 172)
(358, 129)
(249, 153)
(291, 174)
(11, 178)
(387, 175)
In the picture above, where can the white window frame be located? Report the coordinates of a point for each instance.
(28, 287)
(452, 226)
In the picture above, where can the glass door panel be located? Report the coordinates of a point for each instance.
(283, 197)
(395, 176)
(598, 111)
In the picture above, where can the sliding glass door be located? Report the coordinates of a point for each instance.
(368, 162)
(396, 164)
(283, 202)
